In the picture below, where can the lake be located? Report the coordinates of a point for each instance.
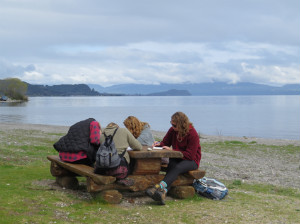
(275, 117)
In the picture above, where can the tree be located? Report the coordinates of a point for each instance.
(13, 88)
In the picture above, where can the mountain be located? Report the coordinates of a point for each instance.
(171, 92)
(61, 90)
(164, 89)
(202, 89)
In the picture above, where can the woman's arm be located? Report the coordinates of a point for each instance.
(167, 140)
(133, 143)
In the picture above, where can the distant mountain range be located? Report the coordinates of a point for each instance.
(202, 89)
(171, 92)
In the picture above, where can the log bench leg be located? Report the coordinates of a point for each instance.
(182, 192)
(111, 196)
(68, 182)
(56, 170)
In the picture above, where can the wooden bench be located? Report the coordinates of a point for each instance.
(146, 172)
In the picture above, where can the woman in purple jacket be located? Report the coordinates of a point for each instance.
(182, 137)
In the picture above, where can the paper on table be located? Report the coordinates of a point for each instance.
(129, 149)
(158, 148)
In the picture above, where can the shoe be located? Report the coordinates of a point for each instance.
(150, 191)
(157, 194)
(160, 196)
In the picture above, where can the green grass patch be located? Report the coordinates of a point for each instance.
(26, 202)
(234, 142)
(23, 165)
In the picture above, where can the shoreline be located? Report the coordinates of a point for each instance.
(157, 134)
(258, 160)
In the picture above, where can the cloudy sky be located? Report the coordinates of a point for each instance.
(149, 42)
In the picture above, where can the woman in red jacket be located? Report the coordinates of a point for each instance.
(182, 137)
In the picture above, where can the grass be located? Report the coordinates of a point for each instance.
(250, 146)
(23, 163)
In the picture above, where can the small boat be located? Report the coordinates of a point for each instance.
(3, 98)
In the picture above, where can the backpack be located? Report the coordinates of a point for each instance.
(107, 156)
(210, 188)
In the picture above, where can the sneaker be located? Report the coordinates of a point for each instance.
(157, 194)
(160, 196)
(150, 191)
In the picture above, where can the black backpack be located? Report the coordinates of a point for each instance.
(107, 156)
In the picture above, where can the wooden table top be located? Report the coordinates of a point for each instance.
(160, 153)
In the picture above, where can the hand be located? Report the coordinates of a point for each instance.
(167, 148)
(156, 143)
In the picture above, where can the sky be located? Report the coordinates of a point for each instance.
(150, 42)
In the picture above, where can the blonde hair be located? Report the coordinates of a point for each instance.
(134, 125)
(182, 123)
(112, 124)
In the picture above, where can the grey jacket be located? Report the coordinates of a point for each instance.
(146, 137)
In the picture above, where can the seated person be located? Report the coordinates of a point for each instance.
(183, 137)
(81, 142)
(122, 140)
(140, 130)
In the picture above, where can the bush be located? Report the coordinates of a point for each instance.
(14, 88)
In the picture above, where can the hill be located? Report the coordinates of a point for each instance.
(85, 90)
(164, 89)
(202, 89)
(61, 90)
(171, 92)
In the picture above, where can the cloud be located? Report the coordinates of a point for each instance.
(8, 69)
(114, 42)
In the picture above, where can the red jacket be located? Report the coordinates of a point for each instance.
(189, 146)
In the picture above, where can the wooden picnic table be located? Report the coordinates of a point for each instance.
(146, 172)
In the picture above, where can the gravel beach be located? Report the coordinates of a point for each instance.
(263, 166)
(158, 134)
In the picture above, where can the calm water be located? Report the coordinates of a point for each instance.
(252, 116)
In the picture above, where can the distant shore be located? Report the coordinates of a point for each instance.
(157, 134)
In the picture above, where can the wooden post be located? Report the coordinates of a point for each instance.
(67, 182)
(182, 192)
(147, 166)
(56, 170)
(111, 196)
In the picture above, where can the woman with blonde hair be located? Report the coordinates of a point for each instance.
(140, 130)
(183, 137)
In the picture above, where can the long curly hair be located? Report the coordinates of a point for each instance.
(182, 123)
(134, 125)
